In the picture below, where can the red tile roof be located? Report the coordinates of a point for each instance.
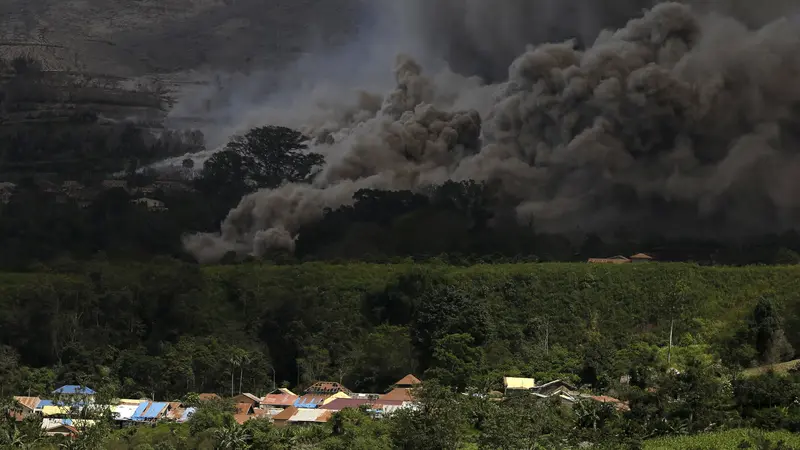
(408, 380)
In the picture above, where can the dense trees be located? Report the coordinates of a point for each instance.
(167, 328)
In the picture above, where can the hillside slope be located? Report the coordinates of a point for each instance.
(368, 323)
(141, 37)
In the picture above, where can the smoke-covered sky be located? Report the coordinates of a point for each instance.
(679, 119)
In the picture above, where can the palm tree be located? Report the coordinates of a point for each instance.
(233, 437)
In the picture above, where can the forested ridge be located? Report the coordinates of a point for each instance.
(169, 327)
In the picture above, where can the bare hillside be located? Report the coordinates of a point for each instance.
(133, 37)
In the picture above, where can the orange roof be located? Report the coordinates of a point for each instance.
(324, 417)
(278, 400)
(400, 393)
(619, 404)
(28, 402)
(286, 414)
(241, 418)
(408, 380)
(206, 397)
(243, 408)
(641, 256)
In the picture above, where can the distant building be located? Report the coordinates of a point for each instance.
(27, 405)
(278, 400)
(619, 259)
(250, 399)
(150, 204)
(208, 397)
(75, 394)
(515, 384)
(641, 257)
(402, 390)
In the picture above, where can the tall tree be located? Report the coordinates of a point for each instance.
(273, 155)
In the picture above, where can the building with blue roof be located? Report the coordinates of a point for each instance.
(74, 389)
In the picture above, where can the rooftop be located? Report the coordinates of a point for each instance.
(72, 389)
(408, 381)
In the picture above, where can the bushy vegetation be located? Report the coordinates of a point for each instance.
(169, 327)
(739, 438)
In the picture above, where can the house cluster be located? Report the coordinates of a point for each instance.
(84, 195)
(566, 393)
(619, 259)
(73, 407)
(68, 413)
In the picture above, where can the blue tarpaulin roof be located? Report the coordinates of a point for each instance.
(74, 389)
(137, 415)
(309, 401)
(154, 410)
(43, 403)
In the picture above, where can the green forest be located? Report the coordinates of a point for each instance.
(167, 328)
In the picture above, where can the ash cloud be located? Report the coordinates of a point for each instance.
(681, 122)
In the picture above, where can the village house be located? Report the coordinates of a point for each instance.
(516, 385)
(320, 393)
(150, 204)
(278, 400)
(208, 397)
(619, 259)
(75, 394)
(402, 390)
(26, 406)
(251, 399)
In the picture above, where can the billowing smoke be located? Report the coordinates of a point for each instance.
(680, 122)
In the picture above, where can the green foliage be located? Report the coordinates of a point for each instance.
(217, 416)
(438, 424)
(738, 438)
(526, 423)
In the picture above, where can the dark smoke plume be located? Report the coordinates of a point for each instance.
(681, 123)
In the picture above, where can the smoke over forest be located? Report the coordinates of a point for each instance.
(684, 121)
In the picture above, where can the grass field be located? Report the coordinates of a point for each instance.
(777, 368)
(730, 439)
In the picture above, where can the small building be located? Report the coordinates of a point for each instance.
(554, 387)
(208, 397)
(150, 204)
(402, 390)
(282, 419)
(61, 430)
(150, 412)
(26, 406)
(277, 401)
(75, 393)
(641, 258)
(254, 401)
(619, 259)
(310, 416)
(619, 405)
(516, 384)
(244, 412)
